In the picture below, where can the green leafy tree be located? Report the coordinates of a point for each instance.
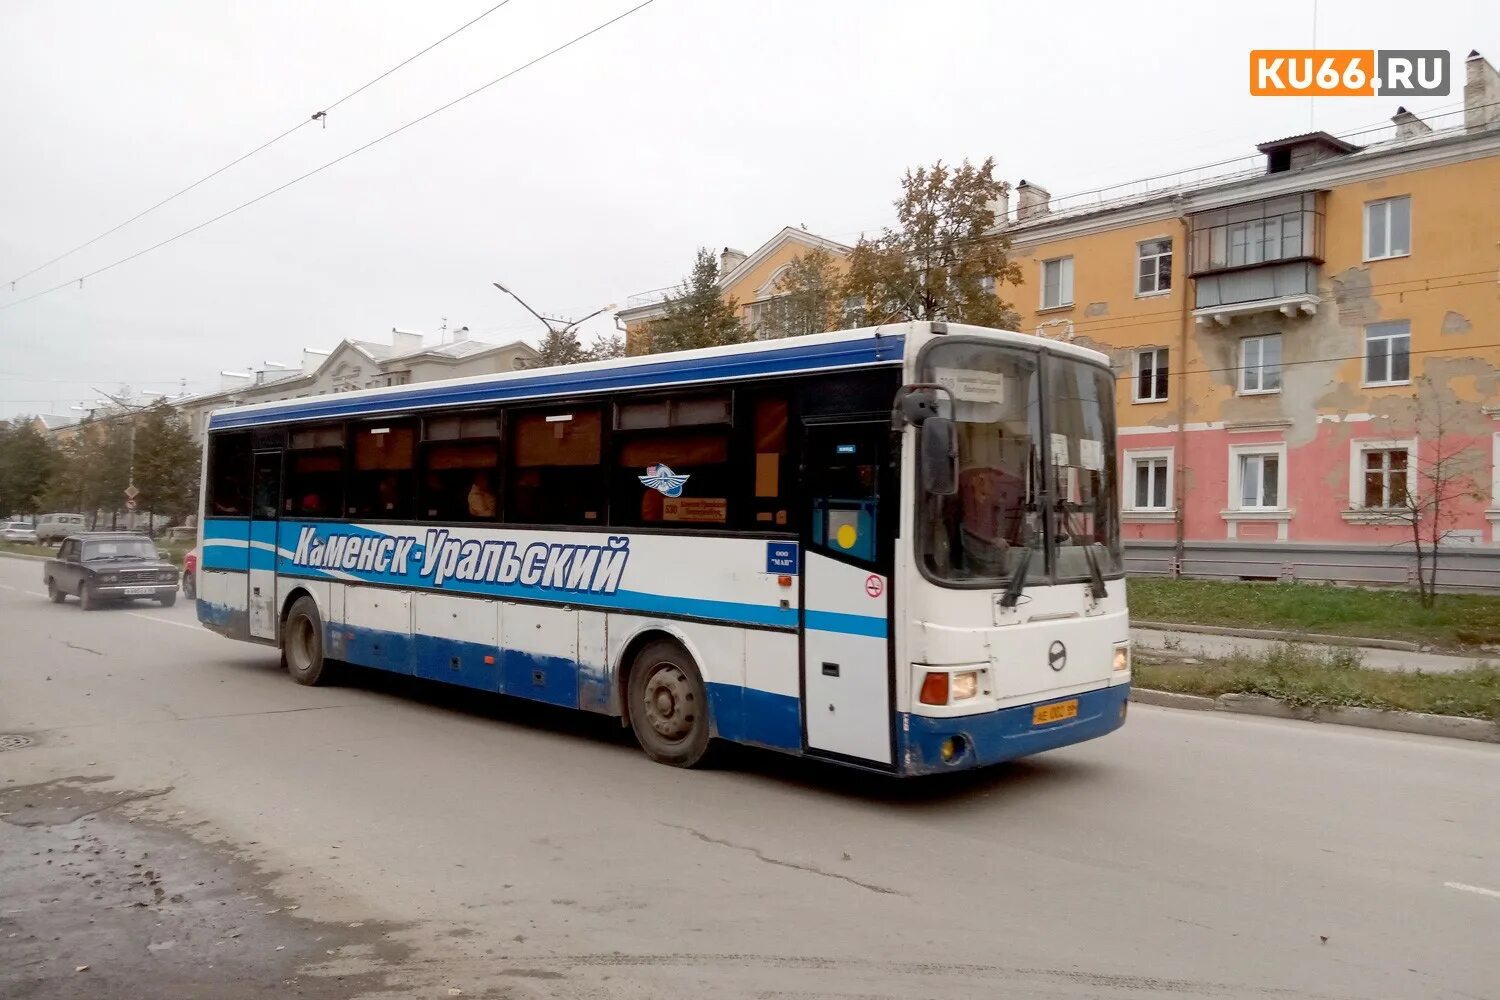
(28, 462)
(809, 298)
(697, 315)
(606, 346)
(560, 347)
(166, 463)
(944, 261)
(68, 486)
(103, 457)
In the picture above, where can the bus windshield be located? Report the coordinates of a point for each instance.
(1022, 456)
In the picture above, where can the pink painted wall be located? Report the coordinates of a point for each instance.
(1318, 489)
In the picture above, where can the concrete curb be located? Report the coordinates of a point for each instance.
(1266, 633)
(1171, 699)
(1420, 723)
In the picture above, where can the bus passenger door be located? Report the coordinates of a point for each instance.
(846, 669)
(265, 508)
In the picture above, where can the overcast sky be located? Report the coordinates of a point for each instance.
(580, 181)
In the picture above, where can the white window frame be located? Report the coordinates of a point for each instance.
(1364, 370)
(1128, 509)
(1383, 206)
(1064, 289)
(1140, 255)
(1260, 367)
(1493, 513)
(1240, 451)
(1357, 450)
(1135, 375)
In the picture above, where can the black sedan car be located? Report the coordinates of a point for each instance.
(101, 566)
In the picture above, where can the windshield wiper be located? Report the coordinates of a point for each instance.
(1017, 582)
(1096, 578)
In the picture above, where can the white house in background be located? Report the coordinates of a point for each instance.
(360, 364)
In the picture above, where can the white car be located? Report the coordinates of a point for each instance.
(18, 531)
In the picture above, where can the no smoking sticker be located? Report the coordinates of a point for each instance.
(874, 585)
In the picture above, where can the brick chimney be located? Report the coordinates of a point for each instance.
(1032, 200)
(730, 259)
(1408, 125)
(1001, 207)
(405, 341)
(1481, 93)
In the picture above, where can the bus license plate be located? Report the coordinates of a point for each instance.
(139, 591)
(1055, 712)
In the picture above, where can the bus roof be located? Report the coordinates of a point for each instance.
(861, 348)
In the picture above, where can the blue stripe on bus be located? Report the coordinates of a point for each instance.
(1007, 733)
(741, 714)
(836, 621)
(780, 361)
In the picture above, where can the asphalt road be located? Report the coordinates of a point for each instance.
(189, 822)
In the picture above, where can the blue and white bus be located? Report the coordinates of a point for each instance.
(896, 548)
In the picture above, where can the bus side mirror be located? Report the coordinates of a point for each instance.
(917, 405)
(939, 454)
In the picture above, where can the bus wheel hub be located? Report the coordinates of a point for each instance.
(669, 703)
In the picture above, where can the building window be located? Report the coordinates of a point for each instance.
(1385, 477)
(853, 312)
(1151, 375)
(1149, 483)
(1388, 353)
(1057, 283)
(1382, 476)
(1388, 228)
(1154, 267)
(1260, 364)
(1259, 481)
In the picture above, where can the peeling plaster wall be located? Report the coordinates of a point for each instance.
(1447, 289)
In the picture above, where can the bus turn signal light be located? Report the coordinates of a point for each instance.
(784, 580)
(935, 689)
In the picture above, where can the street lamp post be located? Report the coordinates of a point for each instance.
(550, 324)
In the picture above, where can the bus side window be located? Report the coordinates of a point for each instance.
(460, 466)
(672, 461)
(555, 472)
(315, 472)
(383, 481)
(775, 471)
(229, 475)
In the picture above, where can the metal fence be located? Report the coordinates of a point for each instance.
(1462, 568)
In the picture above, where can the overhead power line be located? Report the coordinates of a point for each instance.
(316, 116)
(337, 160)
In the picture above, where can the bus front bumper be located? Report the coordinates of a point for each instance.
(931, 746)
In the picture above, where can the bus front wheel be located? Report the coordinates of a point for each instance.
(669, 705)
(302, 643)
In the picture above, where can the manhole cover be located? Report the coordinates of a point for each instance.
(14, 742)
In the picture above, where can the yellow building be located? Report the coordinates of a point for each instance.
(1307, 342)
(748, 280)
(1305, 345)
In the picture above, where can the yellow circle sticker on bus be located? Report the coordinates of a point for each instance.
(847, 536)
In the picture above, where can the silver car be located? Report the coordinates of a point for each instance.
(18, 531)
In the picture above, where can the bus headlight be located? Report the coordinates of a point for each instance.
(1122, 656)
(962, 685)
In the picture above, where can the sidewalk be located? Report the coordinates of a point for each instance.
(1217, 647)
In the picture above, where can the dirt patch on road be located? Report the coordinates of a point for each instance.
(104, 905)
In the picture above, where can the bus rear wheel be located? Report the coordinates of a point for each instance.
(669, 705)
(302, 644)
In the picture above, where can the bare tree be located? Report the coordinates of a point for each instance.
(1442, 477)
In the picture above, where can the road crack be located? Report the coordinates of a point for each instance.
(780, 863)
(85, 649)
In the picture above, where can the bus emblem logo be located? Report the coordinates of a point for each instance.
(1057, 656)
(663, 480)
